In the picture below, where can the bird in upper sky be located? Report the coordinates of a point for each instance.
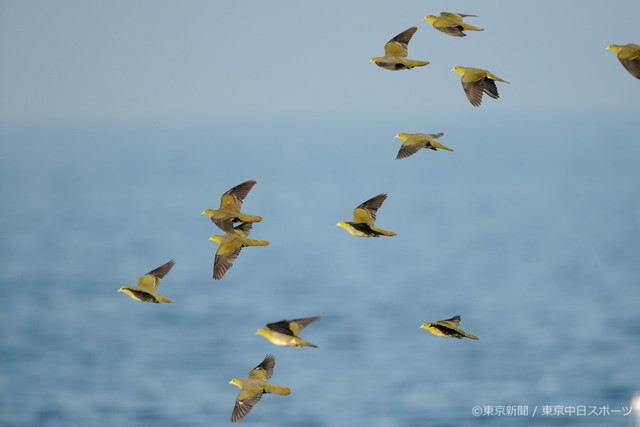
(364, 217)
(476, 81)
(629, 56)
(395, 53)
(448, 328)
(451, 23)
(145, 290)
(254, 386)
(231, 243)
(285, 332)
(415, 141)
(230, 204)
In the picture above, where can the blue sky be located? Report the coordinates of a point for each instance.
(69, 61)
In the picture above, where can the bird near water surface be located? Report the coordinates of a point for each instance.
(285, 332)
(629, 57)
(230, 204)
(145, 290)
(396, 51)
(364, 217)
(451, 23)
(476, 81)
(231, 243)
(254, 386)
(415, 141)
(448, 328)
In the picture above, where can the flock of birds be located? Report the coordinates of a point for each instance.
(475, 82)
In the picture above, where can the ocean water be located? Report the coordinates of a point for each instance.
(531, 235)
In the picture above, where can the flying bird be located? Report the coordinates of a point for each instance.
(254, 386)
(231, 243)
(285, 332)
(364, 217)
(629, 56)
(145, 290)
(476, 81)
(448, 328)
(415, 141)
(230, 204)
(451, 23)
(395, 53)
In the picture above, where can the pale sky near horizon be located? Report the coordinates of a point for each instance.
(69, 61)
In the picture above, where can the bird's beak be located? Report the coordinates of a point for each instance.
(231, 382)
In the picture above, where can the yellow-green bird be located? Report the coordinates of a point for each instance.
(451, 23)
(145, 290)
(285, 332)
(230, 205)
(396, 51)
(448, 328)
(476, 81)
(364, 217)
(231, 243)
(629, 56)
(254, 387)
(415, 141)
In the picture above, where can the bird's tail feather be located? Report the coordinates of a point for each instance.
(277, 389)
(415, 63)
(160, 298)
(438, 145)
(249, 218)
(302, 343)
(471, 27)
(251, 242)
(384, 232)
(473, 337)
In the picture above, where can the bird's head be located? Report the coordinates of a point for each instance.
(425, 326)
(236, 382)
(459, 70)
(207, 212)
(122, 289)
(430, 18)
(373, 60)
(614, 48)
(262, 331)
(216, 238)
(402, 136)
(342, 224)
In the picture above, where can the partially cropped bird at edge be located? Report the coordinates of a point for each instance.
(415, 141)
(629, 56)
(448, 328)
(254, 386)
(396, 51)
(285, 332)
(451, 23)
(476, 81)
(145, 290)
(230, 204)
(231, 243)
(364, 217)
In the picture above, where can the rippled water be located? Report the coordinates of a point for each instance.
(533, 238)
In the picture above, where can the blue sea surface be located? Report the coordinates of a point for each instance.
(531, 234)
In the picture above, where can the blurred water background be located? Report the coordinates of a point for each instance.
(530, 234)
